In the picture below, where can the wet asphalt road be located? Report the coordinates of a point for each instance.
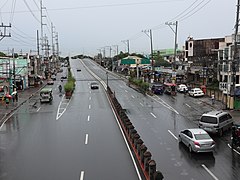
(51, 143)
(159, 119)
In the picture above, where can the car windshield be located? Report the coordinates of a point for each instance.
(208, 119)
(202, 136)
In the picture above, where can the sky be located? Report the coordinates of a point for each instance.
(86, 26)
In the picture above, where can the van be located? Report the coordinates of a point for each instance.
(216, 122)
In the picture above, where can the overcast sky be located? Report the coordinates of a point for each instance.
(84, 26)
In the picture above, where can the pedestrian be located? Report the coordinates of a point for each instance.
(3, 99)
(213, 99)
(7, 101)
(16, 97)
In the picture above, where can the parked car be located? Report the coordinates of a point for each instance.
(94, 85)
(197, 140)
(216, 122)
(53, 77)
(182, 88)
(50, 82)
(196, 92)
(157, 88)
(78, 70)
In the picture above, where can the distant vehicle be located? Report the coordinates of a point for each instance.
(46, 95)
(182, 88)
(196, 92)
(50, 82)
(236, 136)
(216, 122)
(53, 77)
(78, 70)
(157, 88)
(170, 88)
(64, 77)
(94, 85)
(197, 140)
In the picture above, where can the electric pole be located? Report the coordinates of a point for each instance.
(235, 61)
(128, 46)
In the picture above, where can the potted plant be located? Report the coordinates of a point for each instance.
(68, 87)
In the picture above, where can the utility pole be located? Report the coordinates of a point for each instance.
(128, 46)
(235, 61)
(170, 24)
(3, 32)
(149, 34)
(38, 48)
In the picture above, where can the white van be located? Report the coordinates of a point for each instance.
(216, 122)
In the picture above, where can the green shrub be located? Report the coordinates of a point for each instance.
(69, 86)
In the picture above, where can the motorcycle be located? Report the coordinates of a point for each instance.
(236, 136)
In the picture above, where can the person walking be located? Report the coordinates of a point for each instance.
(7, 101)
(16, 97)
(213, 99)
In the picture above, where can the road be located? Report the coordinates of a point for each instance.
(68, 139)
(159, 119)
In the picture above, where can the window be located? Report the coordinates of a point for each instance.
(208, 119)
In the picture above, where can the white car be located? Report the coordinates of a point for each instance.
(197, 140)
(196, 92)
(182, 88)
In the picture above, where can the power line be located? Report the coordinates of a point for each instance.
(31, 11)
(12, 10)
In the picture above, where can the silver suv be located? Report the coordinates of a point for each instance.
(216, 122)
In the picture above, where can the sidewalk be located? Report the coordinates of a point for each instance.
(23, 96)
(218, 105)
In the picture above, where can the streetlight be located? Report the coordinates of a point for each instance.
(149, 34)
(170, 24)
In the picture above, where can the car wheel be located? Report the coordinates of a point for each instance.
(190, 148)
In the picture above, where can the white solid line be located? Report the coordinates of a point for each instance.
(38, 109)
(187, 105)
(82, 175)
(153, 115)
(213, 176)
(86, 139)
(88, 118)
(173, 135)
(141, 104)
(233, 149)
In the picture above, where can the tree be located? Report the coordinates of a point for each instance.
(2, 54)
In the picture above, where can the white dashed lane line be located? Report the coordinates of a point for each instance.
(89, 107)
(173, 134)
(86, 139)
(209, 172)
(188, 105)
(153, 115)
(82, 175)
(88, 118)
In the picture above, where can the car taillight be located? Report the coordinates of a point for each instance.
(196, 143)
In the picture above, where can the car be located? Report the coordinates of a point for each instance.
(78, 70)
(182, 88)
(53, 77)
(197, 140)
(196, 92)
(216, 122)
(157, 88)
(94, 85)
(50, 82)
(64, 77)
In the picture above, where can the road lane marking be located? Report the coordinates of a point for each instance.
(188, 105)
(153, 115)
(59, 114)
(89, 107)
(126, 91)
(233, 149)
(82, 175)
(86, 139)
(88, 118)
(141, 104)
(90, 98)
(39, 109)
(133, 97)
(209, 172)
(173, 134)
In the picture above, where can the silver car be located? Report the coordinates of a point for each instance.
(197, 140)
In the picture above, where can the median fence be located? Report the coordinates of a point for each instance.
(141, 152)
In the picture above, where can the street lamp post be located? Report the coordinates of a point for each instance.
(107, 79)
(170, 24)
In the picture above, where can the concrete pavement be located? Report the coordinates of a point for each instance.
(23, 96)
